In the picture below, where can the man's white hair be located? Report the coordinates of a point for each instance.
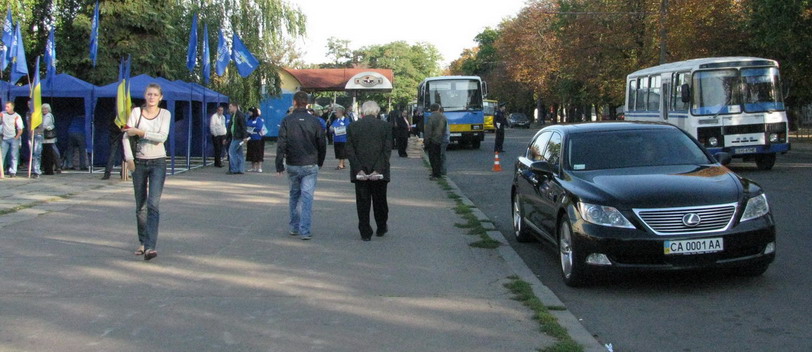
(370, 108)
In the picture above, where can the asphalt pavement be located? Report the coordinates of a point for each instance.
(229, 277)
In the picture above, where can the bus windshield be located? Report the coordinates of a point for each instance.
(455, 95)
(762, 90)
(716, 92)
(726, 91)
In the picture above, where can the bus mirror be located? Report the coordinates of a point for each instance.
(685, 89)
(484, 89)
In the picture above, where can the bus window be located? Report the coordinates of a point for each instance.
(632, 94)
(654, 94)
(762, 90)
(642, 93)
(716, 92)
(676, 98)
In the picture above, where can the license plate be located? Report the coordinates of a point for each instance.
(456, 135)
(705, 245)
(745, 150)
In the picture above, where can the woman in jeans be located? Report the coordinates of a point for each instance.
(146, 131)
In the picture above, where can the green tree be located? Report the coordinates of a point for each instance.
(339, 50)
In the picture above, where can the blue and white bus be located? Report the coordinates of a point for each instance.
(729, 104)
(461, 98)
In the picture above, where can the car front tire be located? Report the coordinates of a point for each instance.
(573, 269)
(522, 233)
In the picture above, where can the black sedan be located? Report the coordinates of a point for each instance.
(518, 119)
(638, 196)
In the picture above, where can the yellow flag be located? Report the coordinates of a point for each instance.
(36, 97)
(123, 103)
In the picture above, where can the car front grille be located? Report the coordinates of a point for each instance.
(670, 221)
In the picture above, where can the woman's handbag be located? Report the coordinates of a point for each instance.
(49, 134)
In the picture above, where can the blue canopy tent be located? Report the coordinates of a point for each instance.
(63, 86)
(4, 88)
(211, 99)
(138, 85)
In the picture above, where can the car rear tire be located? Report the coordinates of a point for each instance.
(765, 161)
(573, 269)
(522, 233)
(475, 144)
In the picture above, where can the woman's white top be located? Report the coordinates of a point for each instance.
(151, 146)
(48, 124)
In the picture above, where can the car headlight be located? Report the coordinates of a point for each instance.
(603, 215)
(756, 207)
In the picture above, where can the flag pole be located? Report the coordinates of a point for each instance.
(30, 123)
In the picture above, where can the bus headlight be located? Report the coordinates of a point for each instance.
(773, 137)
(713, 141)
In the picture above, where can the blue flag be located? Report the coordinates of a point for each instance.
(223, 55)
(191, 54)
(50, 58)
(206, 55)
(19, 66)
(94, 35)
(8, 38)
(246, 63)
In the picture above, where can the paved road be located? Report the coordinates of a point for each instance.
(675, 312)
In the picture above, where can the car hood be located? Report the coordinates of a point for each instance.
(658, 187)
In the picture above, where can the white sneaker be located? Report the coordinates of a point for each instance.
(259, 170)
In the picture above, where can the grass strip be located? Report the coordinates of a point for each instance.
(549, 325)
(35, 203)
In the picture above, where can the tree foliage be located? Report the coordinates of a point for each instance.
(156, 33)
(578, 52)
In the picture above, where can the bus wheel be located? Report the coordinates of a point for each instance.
(475, 144)
(765, 161)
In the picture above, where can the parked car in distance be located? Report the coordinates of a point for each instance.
(638, 196)
(518, 119)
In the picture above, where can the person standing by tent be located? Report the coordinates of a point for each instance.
(338, 129)
(148, 126)
(237, 134)
(217, 127)
(302, 146)
(50, 153)
(12, 130)
(114, 135)
(35, 144)
(256, 145)
(76, 144)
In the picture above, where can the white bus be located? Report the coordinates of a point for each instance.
(729, 104)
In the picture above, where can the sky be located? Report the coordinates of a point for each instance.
(450, 25)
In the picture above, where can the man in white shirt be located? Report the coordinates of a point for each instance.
(217, 126)
(12, 130)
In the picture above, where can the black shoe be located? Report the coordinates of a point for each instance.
(11, 175)
(366, 239)
(106, 176)
(35, 176)
(381, 232)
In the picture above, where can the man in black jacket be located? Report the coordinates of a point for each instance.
(237, 133)
(369, 146)
(300, 145)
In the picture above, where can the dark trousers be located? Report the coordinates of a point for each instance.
(115, 140)
(374, 193)
(50, 158)
(402, 141)
(217, 142)
(500, 139)
(435, 158)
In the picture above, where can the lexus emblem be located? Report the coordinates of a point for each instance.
(691, 220)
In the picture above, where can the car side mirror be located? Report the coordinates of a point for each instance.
(542, 167)
(723, 158)
(685, 89)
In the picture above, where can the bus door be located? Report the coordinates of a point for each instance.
(665, 105)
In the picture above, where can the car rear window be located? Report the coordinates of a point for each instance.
(632, 148)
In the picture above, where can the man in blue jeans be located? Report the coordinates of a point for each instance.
(300, 145)
(237, 133)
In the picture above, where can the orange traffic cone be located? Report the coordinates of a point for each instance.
(496, 165)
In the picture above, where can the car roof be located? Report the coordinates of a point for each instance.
(609, 126)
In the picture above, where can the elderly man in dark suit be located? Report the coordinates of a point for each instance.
(369, 146)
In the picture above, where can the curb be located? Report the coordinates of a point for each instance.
(567, 320)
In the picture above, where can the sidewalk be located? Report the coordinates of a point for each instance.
(228, 277)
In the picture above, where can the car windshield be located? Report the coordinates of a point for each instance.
(633, 148)
(518, 117)
(762, 90)
(455, 95)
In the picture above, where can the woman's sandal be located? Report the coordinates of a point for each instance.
(139, 251)
(149, 254)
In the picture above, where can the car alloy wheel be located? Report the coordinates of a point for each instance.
(571, 265)
(522, 234)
